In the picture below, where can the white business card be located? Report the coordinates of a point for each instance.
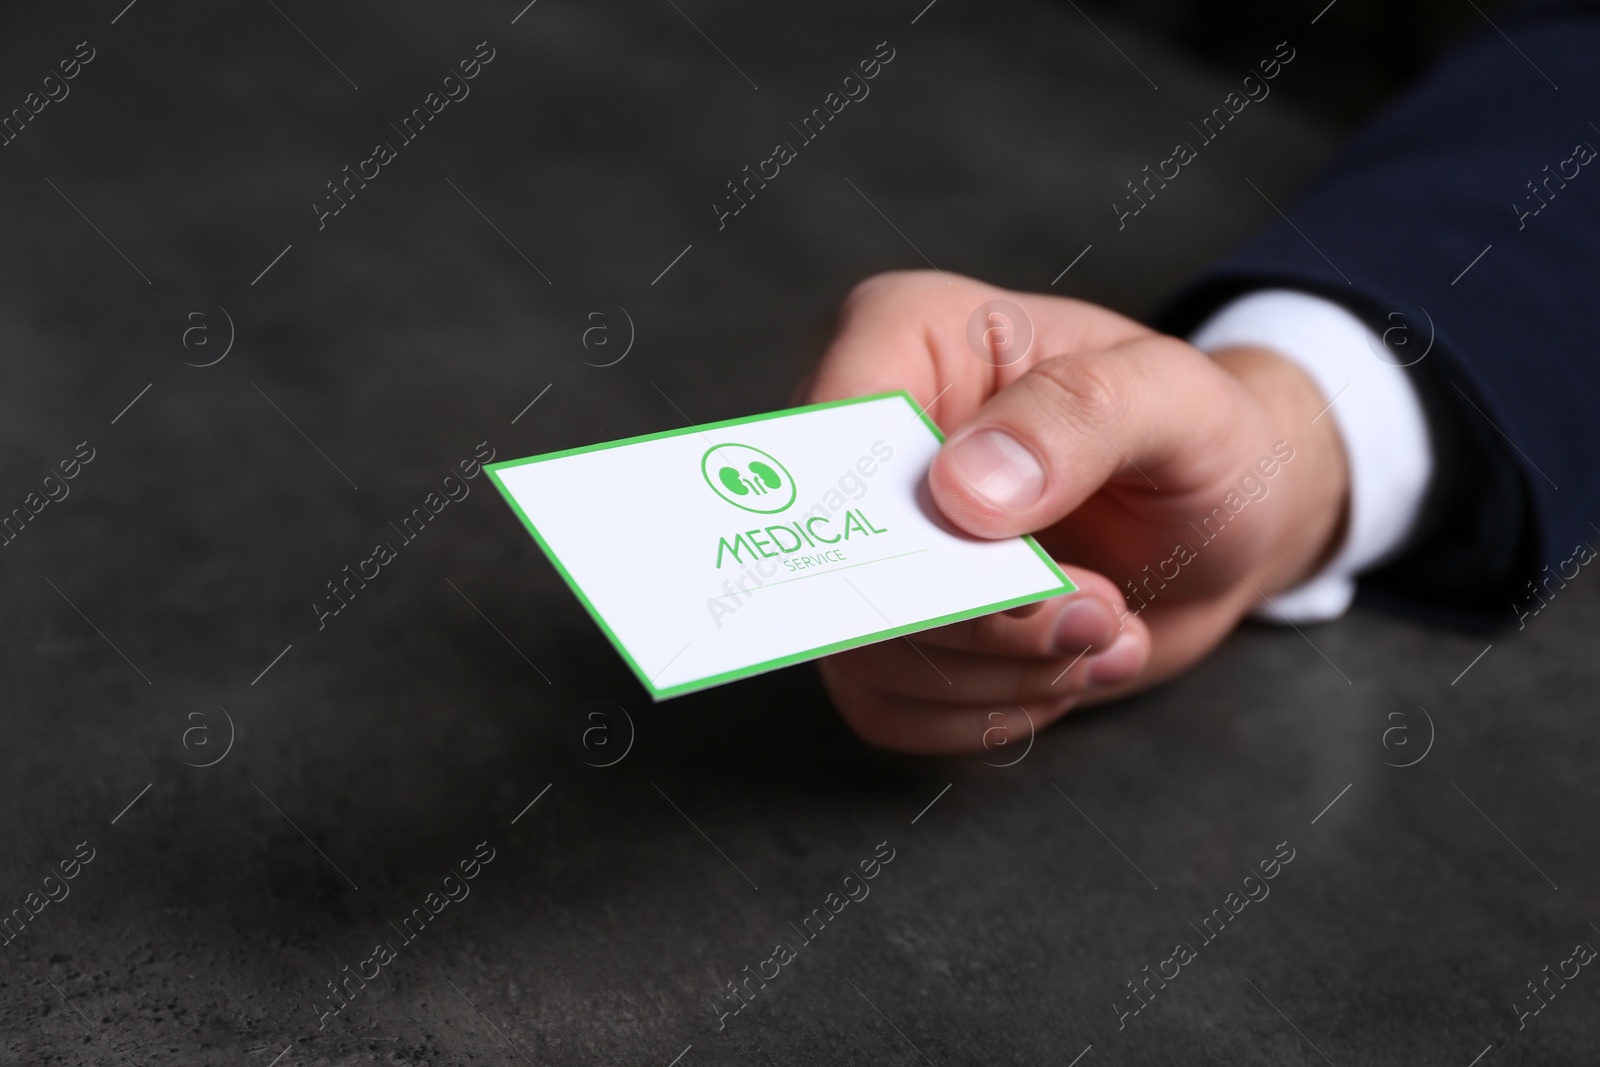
(721, 551)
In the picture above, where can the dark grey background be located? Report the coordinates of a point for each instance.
(380, 750)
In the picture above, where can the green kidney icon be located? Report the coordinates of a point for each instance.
(748, 478)
(766, 479)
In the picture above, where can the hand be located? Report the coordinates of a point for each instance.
(1177, 489)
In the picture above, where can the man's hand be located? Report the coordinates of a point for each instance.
(1178, 490)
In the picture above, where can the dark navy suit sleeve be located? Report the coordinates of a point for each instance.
(1467, 217)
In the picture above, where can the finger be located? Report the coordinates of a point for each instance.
(1181, 634)
(911, 726)
(1120, 661)
(942, 676)
(1060, 626)
(1149, 410)
(912, 330)
(889, 337)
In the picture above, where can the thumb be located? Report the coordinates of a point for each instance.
(1043, 445)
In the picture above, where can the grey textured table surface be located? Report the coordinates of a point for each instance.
(161, 612)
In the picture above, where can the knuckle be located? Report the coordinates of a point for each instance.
(1084, 389)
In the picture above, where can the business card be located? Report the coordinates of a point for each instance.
(725, 550)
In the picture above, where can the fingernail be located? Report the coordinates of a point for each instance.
(1116, 664)
(1084, 622)
(999, 468)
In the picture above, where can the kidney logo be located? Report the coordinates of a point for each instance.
(748, 478)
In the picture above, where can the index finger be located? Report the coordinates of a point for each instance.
(928, 332)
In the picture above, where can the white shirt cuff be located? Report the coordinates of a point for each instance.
(1379, 418)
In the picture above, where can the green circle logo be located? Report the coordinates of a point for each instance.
(748, 478)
